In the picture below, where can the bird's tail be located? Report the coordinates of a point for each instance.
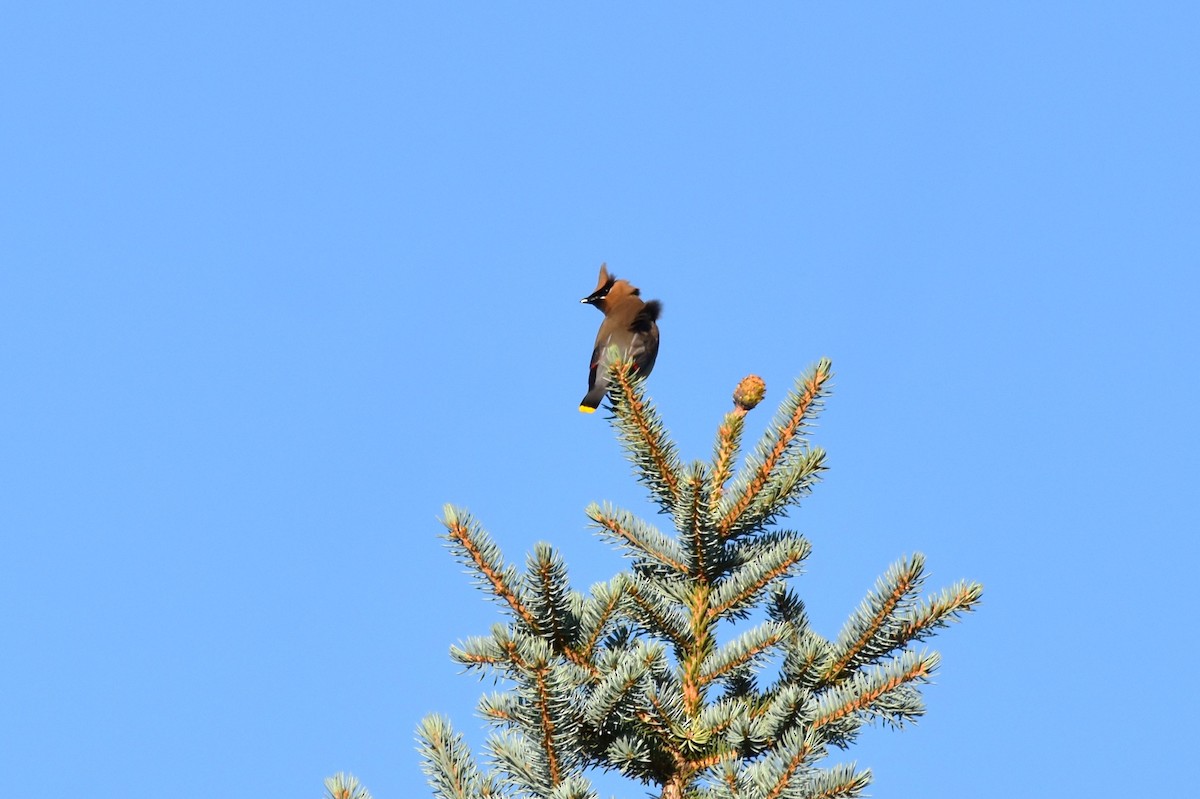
(592, 400)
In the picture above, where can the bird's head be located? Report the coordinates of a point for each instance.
(609, 290)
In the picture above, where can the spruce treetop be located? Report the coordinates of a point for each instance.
(635, 675)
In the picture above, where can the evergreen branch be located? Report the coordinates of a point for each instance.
(642, 540)
(776, 774)
(753, 726)
(656, 614)
(701, 545)
(807, 660)
(700, 625)
(345, 786)
(705, 762)
(522, 764)
(501, 709)
(732, 720)
(740, 722)
(527, 654)
(792, 480)
(549, 729)
(771, 558)
(656, 723)
(839, 782)
(794, 477)
(787, 607)
(664, 700)
(746, 648)
(580, 659)
(729, 786)
(870, 693)
(630, 755)
(742, 685)
(869, 633)
(807, 655)
(549, 597)
(723, 715)
(729, 439)
(598, 611)
(642, 432)
(530, 662)
(544, 700)
(787, 711)
(950, 605)
(473, 547)
(446, 760)
(794, 415)
(479, 651)
(696, 742)
(573, 787)
(618, 684)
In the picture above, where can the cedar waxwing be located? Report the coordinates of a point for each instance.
(629, 324)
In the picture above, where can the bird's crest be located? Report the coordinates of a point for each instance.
(603, 286)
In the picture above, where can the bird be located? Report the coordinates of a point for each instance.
(629, 331)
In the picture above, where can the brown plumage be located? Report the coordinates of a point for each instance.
(629, 325)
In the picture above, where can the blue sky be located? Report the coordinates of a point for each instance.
(277, 280)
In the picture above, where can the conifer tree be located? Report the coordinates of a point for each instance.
(638, 674)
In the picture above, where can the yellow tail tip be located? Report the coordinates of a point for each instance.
(586, 409)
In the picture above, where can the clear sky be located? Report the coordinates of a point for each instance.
(277, 280)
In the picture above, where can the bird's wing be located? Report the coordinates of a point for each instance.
(597, 353)
(643, 350)
(643, 347)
